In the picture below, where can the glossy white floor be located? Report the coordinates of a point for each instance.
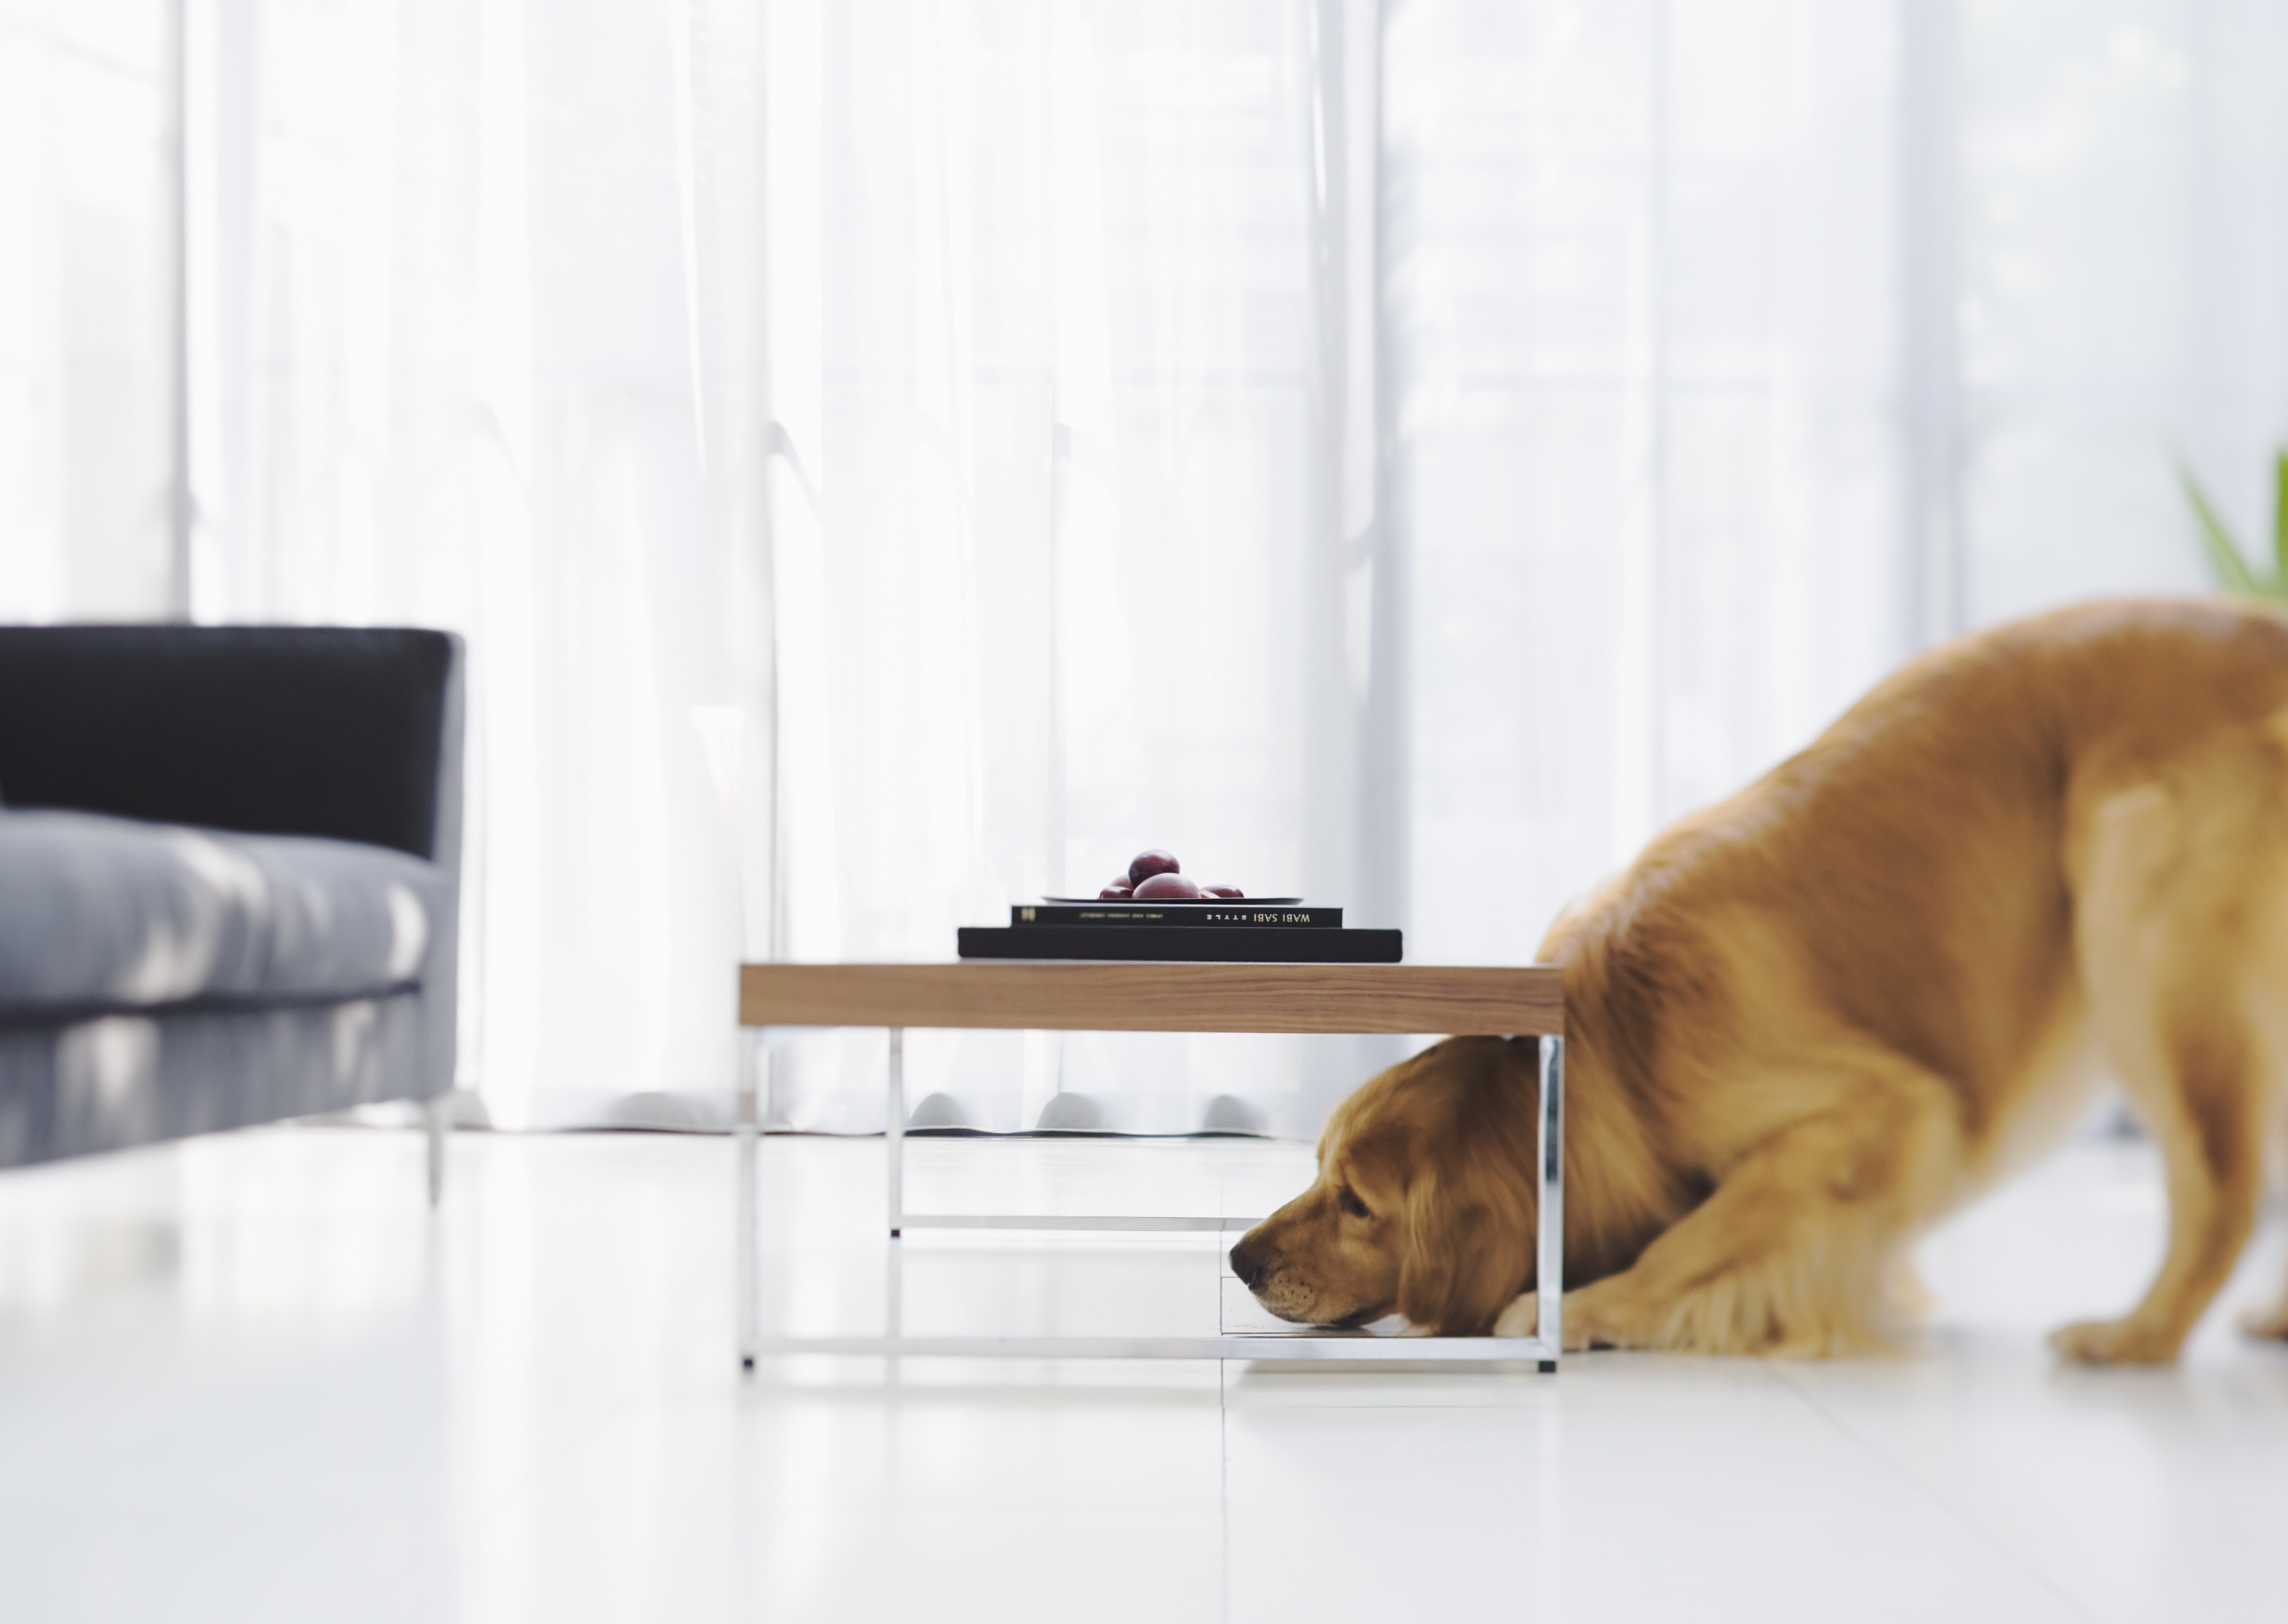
(250, 1378)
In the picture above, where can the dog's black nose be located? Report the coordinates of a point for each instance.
(1248, 1265)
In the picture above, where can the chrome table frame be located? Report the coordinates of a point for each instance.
(1542, 1348)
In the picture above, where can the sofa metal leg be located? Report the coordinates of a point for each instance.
(437, 1115)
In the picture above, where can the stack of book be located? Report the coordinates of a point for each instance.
(1242, 932)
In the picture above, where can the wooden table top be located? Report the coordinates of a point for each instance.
(1068, 996)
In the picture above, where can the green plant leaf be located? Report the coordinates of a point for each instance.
(2225, 556)
(2279, 521)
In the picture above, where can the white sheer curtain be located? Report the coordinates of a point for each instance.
(1071, 352)
(474, 346)
(88, 366)
(2123, 247)
(1402, 453)
(1640, 275)
(1744, 346)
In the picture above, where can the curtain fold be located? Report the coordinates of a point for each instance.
(893, 460)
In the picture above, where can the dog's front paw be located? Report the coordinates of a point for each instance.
(1522, 1317)
(2115, 1342)
(1583, 1328)
(1588, 1321)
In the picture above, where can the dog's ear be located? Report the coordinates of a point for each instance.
(1469, 1248)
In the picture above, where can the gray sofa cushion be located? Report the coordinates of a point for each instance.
(100, 913)
(112, 1081)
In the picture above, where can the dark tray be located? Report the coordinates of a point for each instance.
(1196, 944)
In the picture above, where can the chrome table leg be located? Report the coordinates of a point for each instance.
(894, 1132)
(745, 1249)
(1549, 1268)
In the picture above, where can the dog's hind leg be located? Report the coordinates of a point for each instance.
(2171, 933)
(2271, 1323)
(2270, 1006)
(2193, 1088)
(1794, 1249)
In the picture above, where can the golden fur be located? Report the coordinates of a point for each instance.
(1813, 1019)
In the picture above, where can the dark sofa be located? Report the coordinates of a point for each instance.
(229, 879)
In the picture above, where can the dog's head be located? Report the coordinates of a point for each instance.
(1424, 1204)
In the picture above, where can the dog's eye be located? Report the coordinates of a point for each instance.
(1347, 1199)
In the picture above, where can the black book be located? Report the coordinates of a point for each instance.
(1128, 915)
(1198, 944)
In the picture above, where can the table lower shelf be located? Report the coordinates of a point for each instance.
(1273, 1346)
(1054, 1220)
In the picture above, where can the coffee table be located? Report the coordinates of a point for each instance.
(1072, 996)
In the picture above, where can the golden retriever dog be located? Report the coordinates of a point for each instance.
(1812, 1020)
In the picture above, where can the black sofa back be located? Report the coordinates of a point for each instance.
(271, 730)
